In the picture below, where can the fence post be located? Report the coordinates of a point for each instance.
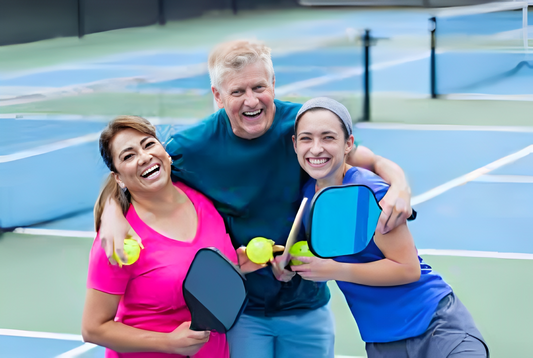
(161, 18)
(81, 19)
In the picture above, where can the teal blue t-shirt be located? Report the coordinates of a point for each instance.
(256, 187)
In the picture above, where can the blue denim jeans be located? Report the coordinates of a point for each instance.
(309, 334)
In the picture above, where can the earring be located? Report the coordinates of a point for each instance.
(123, 187)
(171, 161)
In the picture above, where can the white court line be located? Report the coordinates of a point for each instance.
(78, 351)
(487, 97)
(442, 127)
(463, 179)
(46, 335)
(49, 232)
(295, 86)
(50, 147)
(433, 252)
(166, 74)
(505, 179)
(482, 254)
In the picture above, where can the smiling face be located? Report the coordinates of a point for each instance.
(248, 97)
(321, 146)
(141, 161)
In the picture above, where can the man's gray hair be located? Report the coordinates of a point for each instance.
(233, 56)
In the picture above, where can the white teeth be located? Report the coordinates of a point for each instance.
(151, 175)
(252, 113)
(152, 168)
(317, 161)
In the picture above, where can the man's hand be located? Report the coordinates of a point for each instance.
(113, 230)
(315, 268)
(279, 272)
(396, 208)
(186, 342)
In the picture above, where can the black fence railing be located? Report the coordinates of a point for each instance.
(24, 21)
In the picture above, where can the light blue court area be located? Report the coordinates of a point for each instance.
(483, 213)
(69, 77)
(498, 73)
(23, 344)
(48, 169)
(51, 171)
(164, 59)
(24, 134)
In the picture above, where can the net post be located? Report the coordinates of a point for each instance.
(433, 65)
(366, 76)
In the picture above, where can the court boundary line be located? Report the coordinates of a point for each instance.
(463, 179)
(54, 232)
(433, 252)
(443, 127)
(36, 334)
(76, 352)
(515, 179)
(481, 254)
(47, 148)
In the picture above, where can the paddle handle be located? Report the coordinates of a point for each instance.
(293, 235)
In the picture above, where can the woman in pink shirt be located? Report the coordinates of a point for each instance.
(139, 310)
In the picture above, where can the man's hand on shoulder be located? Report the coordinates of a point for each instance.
(396, 208)
(114, 228)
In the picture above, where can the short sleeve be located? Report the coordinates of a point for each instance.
(103, 276)
(366, 177)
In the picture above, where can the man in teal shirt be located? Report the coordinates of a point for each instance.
(242, 158)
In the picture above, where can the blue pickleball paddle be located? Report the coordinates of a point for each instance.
(342, 220)
(214, 291)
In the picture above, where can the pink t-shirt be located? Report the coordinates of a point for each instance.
(152, 287)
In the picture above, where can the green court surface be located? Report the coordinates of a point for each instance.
(384, 108)
(43, 285)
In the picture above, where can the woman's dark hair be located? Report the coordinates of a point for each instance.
(111, 188)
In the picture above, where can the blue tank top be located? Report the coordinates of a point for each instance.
(386, 314)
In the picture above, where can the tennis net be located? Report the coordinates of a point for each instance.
(482, 51)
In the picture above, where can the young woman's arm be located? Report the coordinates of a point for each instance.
(400, 265)
(99, 327)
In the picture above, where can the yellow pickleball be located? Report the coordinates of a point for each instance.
(300, 248)
(132, 249)
(259, 250)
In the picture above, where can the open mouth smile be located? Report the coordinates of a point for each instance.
(252, 114)
(151, 172)
(317, 162)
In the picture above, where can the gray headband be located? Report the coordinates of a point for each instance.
(330, 105)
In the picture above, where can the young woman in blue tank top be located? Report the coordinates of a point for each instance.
(401, 306)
